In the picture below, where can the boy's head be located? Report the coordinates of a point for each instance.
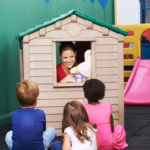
(94, 90)
(27, 92)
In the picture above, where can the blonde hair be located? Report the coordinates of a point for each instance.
(75, 115)
(27, 91)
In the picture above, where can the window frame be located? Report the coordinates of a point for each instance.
(93, 45)
(143, 8)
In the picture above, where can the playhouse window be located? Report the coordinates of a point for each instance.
(81, 47)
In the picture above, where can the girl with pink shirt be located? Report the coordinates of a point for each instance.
(100, 113)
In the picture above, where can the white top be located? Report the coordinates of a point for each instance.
(77, 144)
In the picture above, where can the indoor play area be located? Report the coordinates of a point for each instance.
(136, 64)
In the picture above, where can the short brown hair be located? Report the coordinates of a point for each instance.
(27, 91)
(75, 115)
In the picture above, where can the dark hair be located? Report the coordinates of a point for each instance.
(94, 90)
(66, 46)
(75, 115)
(27, 91)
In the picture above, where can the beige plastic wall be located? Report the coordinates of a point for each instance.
(39, 64)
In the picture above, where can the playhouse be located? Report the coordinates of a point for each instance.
(38, 62)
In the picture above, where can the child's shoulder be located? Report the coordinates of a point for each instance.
(100, 104)
(37, 111)
(106, 105)
(69, 130)
(14, 113)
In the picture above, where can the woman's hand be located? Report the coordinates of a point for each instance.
(68, 79)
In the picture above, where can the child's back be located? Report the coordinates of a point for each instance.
(100, 115)
(28, 125)
(109, 137)
(76, 144)
(79, 133)
(29, 130)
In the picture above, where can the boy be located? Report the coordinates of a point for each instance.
(29, 130)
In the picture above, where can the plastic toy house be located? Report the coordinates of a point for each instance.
(38, 62)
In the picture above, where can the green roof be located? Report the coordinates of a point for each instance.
(69, 13)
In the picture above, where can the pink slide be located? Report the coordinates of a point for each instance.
(137, 90)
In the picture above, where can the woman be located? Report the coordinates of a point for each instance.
(67, 53)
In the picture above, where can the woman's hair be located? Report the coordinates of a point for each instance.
(94, 90)
(66, 46)
(75, 115)
(27, 91)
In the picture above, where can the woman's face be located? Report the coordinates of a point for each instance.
(68, 58)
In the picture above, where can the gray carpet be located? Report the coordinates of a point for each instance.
(137, 126)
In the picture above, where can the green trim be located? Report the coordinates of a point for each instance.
(5, 119)
(44, 24)
(69, 13)
(101, 23)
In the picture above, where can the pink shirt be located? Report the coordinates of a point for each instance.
(100, 115)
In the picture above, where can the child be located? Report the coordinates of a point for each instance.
(109, 137)
(79, 134)
(28, 124)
